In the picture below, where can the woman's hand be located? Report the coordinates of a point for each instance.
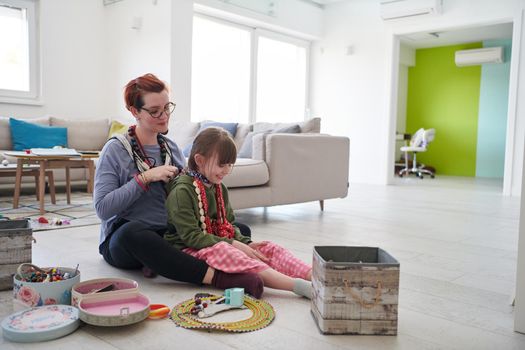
(252, 253)
(161, 173)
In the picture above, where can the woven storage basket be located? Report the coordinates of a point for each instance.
(15, 249)
(355, 290)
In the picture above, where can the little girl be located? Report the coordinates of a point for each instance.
(200, 217)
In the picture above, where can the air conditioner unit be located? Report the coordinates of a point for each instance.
(393, 9)
(479, 56)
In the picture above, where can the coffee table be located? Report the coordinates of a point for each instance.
(9, 170)
(46, 162)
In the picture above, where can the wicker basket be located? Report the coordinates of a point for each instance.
(355, 290)
(15, 249)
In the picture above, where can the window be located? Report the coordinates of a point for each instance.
(18, 54)
(281, 81)
(220, 72)
(244, 74)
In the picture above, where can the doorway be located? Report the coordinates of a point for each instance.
(407, 44)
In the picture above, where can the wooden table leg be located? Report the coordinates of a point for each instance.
(18, 182)
(42, 185)
(51, 182)
(68, 185)
(91, 174)
(36, 184)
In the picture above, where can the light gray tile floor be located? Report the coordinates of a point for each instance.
(456, 240)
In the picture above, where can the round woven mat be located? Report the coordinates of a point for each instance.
(262, 315)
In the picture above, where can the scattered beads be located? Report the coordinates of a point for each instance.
(53, 221)
(199, 305)
(54, 275)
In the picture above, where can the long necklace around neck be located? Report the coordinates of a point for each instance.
(138, 149)
(219, 227)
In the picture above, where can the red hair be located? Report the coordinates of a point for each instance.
(137, 88)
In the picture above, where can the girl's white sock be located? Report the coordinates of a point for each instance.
(303, 288)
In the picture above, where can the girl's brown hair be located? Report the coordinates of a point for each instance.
(137, 88)
(211, 141)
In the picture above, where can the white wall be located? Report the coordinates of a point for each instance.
(401, 113)
(352, 92)
(181, 34)
(347, 90)
(133, 52)
(407, 58)
(519, 311)
(72, 60)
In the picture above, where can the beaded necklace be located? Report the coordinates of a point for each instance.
(219, 227)
(138, 149)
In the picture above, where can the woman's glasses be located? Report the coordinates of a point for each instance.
(168, 109)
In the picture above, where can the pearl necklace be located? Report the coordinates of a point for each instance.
(219, 227)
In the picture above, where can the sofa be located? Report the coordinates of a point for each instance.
(85, 135)
(283, 167)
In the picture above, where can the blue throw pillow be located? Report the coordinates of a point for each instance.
(26, 135)
(229, 127)
(247, 146)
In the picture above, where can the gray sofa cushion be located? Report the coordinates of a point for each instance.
(84, 135)
(246, 150)
(248, 172)
(310, 126)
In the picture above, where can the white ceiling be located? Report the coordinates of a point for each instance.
(448, 37)
(459, 36)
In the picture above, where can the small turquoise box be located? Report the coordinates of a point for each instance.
(234, 297)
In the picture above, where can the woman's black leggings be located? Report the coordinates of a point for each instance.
(134, 245)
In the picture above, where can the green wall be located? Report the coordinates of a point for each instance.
(446, 98)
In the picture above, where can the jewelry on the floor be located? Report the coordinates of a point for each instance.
(262, 315)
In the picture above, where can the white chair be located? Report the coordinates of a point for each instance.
(418, 143)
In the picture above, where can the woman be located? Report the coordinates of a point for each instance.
(130, 195)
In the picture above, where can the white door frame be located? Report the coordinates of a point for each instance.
(509, 178)
(393, 45)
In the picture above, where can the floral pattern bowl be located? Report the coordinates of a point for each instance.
(30, 294)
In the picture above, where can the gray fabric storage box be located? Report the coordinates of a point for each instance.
(355, 290)
(15, 249)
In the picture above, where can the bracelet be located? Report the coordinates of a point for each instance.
(144, 178)
(158, 311)
(140, 182)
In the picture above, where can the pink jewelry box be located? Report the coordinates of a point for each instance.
(110, 302)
